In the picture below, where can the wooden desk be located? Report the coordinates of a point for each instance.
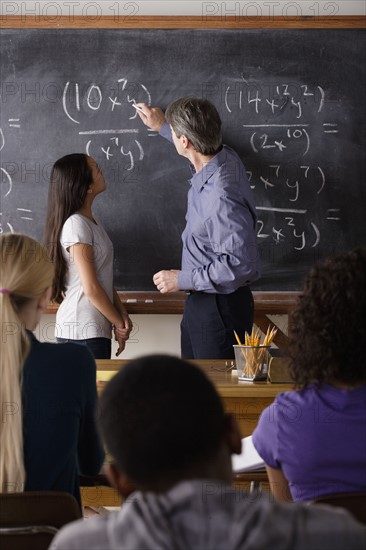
(246, 400)
(96, 491)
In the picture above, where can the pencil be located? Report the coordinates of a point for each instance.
(238, 339)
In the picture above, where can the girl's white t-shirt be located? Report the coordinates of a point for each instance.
(77, 318)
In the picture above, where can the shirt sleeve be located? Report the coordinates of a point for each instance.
(90, 450)
(76, 230)
(232, 252)
(265, 436)
(166, 132)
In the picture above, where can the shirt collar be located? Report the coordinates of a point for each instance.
(199, 179)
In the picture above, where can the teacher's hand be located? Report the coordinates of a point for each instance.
(166, 281)
(152, 117)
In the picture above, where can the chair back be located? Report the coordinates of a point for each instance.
(30, 520)
(355, 503)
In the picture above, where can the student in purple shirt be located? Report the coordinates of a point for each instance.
(220, 255)
(313, 440)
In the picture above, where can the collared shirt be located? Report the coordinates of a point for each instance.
(220, 252)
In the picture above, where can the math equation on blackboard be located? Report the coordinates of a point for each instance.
(280, 125)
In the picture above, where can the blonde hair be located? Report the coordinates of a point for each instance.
(25, 273)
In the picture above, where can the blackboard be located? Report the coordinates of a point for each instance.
(292, 105)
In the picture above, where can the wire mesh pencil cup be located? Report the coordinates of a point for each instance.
(252, 362)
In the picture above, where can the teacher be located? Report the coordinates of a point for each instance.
(220, 255)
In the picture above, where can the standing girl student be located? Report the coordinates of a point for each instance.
(48, 393)
(83, 256)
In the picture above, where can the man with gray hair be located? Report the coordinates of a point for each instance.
(220, 254)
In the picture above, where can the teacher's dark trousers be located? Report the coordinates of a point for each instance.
(209, 321)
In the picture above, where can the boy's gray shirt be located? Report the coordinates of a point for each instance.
(204, 514)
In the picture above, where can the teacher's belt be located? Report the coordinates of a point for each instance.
(189, 292)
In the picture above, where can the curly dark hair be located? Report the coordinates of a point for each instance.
(328, 326)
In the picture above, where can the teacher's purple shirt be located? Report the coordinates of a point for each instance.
(220, 251)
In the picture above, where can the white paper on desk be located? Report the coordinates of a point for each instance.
(249, 459)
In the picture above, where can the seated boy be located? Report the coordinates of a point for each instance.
(164, 424)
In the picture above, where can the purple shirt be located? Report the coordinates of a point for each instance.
(220, 252)
(317, 436)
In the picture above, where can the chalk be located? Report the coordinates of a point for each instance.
(131, 300)
(149, 301)
(137, 108)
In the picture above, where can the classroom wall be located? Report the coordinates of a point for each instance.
(52, 8)
(151, 334)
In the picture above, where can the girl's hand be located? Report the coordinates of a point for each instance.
(123, 329)
(121, 333)
(124, 326)
(121, 343)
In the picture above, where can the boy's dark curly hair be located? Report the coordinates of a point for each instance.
(328, 326)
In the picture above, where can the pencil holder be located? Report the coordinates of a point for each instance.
(252, 362)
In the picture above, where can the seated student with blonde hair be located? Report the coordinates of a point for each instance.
(164, 424)
(313, 440)
(48, 392)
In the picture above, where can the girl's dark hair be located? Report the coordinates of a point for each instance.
(328, 326)
(71, 177)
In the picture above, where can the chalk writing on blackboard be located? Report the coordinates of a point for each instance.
(77, 100)
(269, 135)
(7, 184)
(7, 181)
(275, 138)
(279, 96)
(289, 216)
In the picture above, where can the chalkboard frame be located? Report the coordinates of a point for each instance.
(27, 21)
(153, 302)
